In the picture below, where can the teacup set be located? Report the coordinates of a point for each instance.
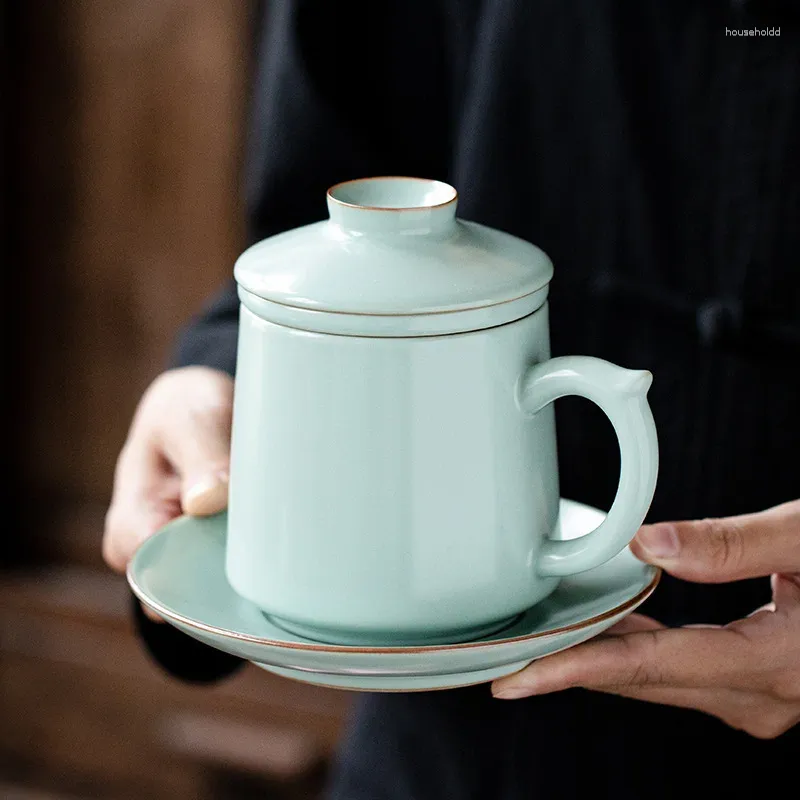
(394, 516)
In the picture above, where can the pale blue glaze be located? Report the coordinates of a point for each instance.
(387, 264)
(388, 487)
(621, 393)
(399, 326)
(180, 573)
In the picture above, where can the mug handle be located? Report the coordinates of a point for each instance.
(621, 394)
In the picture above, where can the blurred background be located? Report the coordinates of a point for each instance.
(123, 126)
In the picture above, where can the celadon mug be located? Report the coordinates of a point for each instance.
(394, 477)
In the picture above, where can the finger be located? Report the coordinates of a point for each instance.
(767, 608)
(198, 447)
(674, 657)
(146, 497)
(207, 495)
(701, 626)
(634, 623)
(711, 701)
(725, 549)
(785, 591)
(150, 613)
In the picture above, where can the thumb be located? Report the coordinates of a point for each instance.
(199, 449)
(725, 549)
(207, 495)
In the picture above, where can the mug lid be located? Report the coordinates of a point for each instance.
(393, 260)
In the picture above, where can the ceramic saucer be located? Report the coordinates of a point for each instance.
(180, 572)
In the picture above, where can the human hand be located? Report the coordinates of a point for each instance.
(175, 459)
(746, 673)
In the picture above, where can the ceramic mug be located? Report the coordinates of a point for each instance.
(394, 477)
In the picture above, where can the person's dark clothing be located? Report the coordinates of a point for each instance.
(655, 159)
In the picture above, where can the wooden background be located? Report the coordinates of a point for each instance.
(123, 127)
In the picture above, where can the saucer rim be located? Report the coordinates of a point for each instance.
(372, 689)
(637, 599)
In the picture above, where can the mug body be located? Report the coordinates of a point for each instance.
(389, 490)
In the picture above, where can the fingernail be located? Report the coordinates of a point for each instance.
(660, 541)
(208, 495)
(511, 692)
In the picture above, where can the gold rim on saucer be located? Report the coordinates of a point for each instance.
(339, 648)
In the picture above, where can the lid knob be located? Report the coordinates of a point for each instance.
(393, 205)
